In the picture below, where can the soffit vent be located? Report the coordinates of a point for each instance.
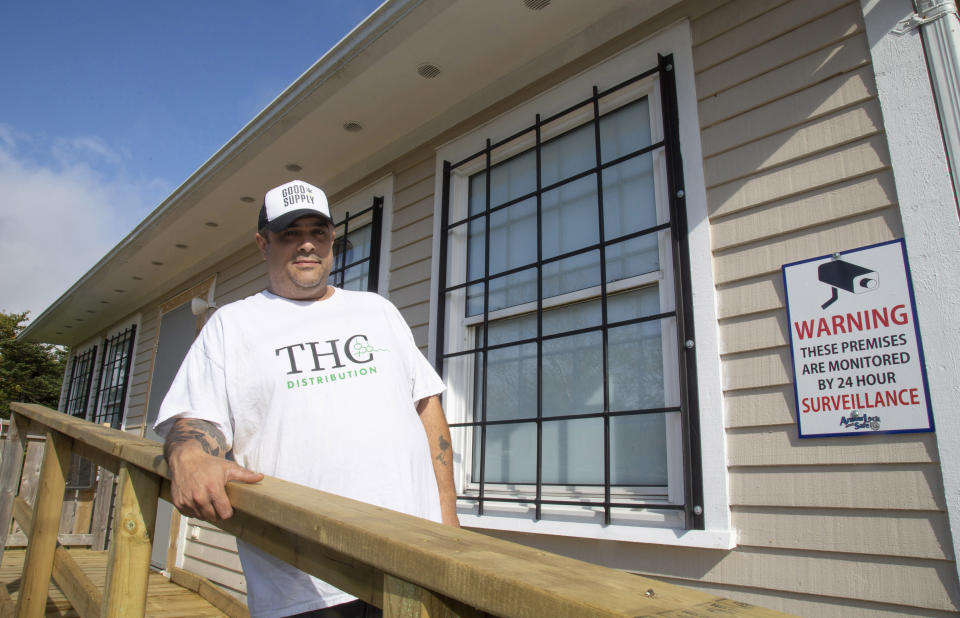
(428, 70)
(536, 5)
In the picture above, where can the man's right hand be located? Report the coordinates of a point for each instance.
(194, 451)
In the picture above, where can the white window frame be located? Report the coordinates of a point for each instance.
(647, 526)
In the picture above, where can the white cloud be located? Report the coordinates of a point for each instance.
(85, 151)
(7, 136)
(63, 205)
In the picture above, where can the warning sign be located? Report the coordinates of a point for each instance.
(857, 356)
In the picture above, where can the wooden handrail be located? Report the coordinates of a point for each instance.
(392, 560)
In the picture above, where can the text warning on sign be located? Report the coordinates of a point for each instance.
(857, 356)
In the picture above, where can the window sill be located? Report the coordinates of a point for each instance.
(703, 539)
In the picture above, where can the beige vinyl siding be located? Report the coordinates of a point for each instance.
(884, 533)
(240, 276)
(733, 88)
(797, 177)
(755, 295)
(411, 243)
(771, 405)
(796, 166)
(802, 605)
(767, 447)
(903, 487)
(140, 372)
(213, 554)
(900, 582)
(861, 195)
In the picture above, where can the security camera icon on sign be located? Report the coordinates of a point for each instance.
(844, 275)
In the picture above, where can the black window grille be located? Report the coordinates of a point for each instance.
(356, 250)
(114, 378)
(78, 390)
(564, 287)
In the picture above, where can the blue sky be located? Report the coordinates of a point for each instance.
(106, 106)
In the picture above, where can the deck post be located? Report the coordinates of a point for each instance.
(402, 598)
(128, 564)
(11, 465)
(42, 543)
(102, 505)
(102, 502)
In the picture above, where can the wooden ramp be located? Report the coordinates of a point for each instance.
(164, 599)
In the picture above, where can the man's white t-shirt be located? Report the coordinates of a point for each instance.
(321, 393)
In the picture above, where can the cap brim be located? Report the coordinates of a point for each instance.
(286, 219)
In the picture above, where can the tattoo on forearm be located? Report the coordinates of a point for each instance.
(185, 430)
(444, 446)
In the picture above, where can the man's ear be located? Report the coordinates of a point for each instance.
(262, 244)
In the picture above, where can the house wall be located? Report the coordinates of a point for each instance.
(411, 241)
(796, 165)
(140, 371)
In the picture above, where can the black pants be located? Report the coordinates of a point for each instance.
(354, 609)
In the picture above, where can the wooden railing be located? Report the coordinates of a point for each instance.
(87, 501)
(407, 566)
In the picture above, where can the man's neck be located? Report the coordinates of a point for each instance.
(324, 295)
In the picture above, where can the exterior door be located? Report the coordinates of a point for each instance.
(178, 327)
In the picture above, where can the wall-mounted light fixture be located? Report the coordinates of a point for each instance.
(199, 306)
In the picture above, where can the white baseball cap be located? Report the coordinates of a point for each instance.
(284, 204)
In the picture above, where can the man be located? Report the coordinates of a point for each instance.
(315, 385)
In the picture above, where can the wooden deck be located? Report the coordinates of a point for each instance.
(165, 598)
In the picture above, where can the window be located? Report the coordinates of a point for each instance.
(114, 378)
(78, 388)
(81, 473)
(356, 250)
(564, 314)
